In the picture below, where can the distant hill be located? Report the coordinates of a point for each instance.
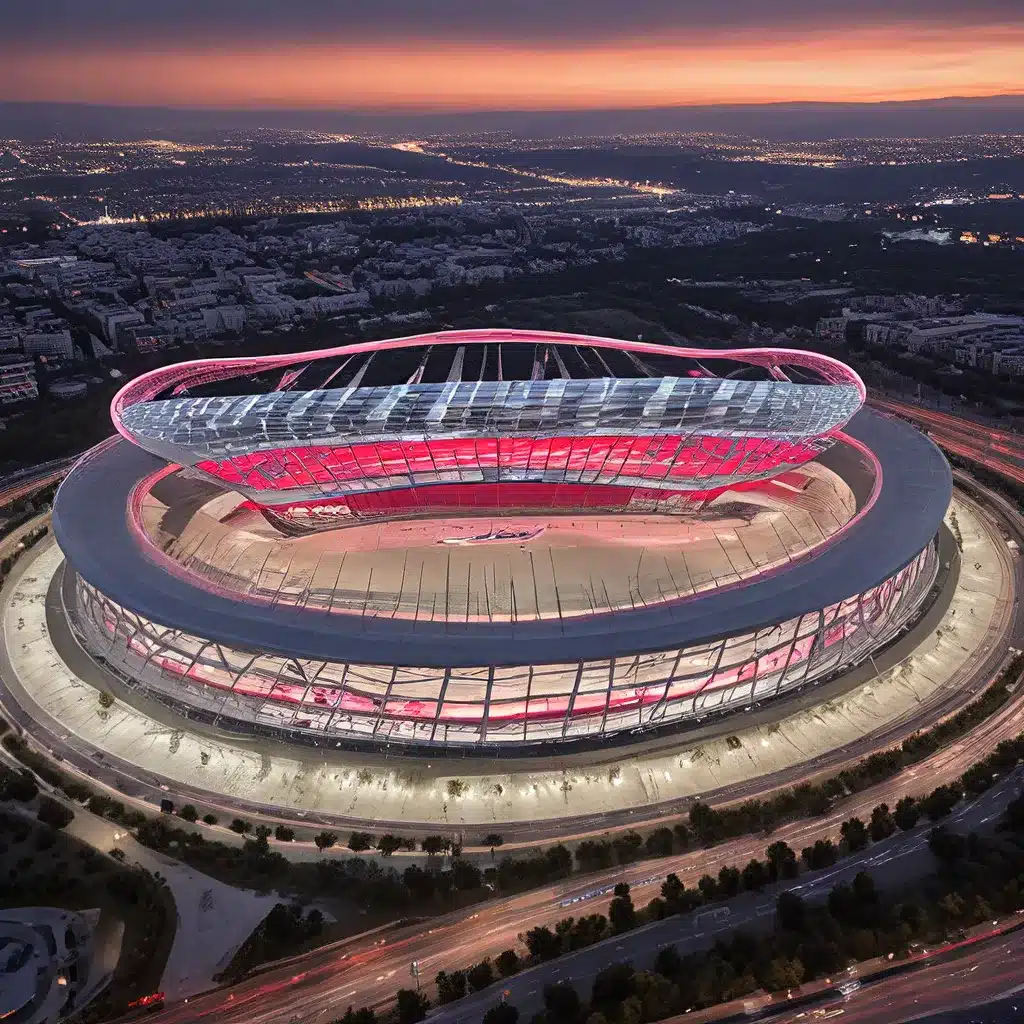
(780, 121)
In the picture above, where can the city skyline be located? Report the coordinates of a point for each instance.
(454, 55)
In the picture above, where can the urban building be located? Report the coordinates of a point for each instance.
(48, 971)
(52, 345)
(17, 380)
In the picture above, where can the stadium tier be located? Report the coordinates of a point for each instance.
(406, 427)
(495, 540)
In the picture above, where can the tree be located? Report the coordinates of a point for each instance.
(284, 834)
(587, 930)
(450, 986)
(562, 1003)
(656, 909)
(593, 854)
(543, 943)
(189, 813)
(855, 834)
(728, 882)
(387, 844)
(325, 840)
(657, 997)
(493, 840)
(865, 892)
(54, 814)
(755, 876)
(681, 835)
(708, 888)
(620, 911)
(939, 802)
(480, 975)
(627, 847)
(412, 1006)
(668, 962)
(882, 824)
(503, 1013)
(18, 786)
(704, 822)
(432, 845)
(613, 985)
(842, 904)
(210, 819)
(241, 826)
(782, 862)
(1013, 816)
(947, 847)
(507, 963)
(659, 843)
(558, 861)
(106, 699)
(359, 841)
(790, 911)
(823, 854)
(907, 814)
(364, 1015)
(783, 973)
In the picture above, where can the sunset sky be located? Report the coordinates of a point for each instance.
(507, 54)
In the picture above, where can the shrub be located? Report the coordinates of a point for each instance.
(387, 844)
(325, 840)
(507, 963)
(359, 841)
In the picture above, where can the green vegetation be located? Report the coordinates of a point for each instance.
(976, 879)
(283, 932)
(54, 814)
(857, 925)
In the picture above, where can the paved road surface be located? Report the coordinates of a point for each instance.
(892, 864)
(368, 971)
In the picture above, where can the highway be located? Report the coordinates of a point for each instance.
(20, 485)
(947, 991)
(1000, 451)
(368, 971)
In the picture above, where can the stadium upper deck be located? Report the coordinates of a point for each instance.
(540, 420)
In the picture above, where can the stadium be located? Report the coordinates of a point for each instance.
(495, 542)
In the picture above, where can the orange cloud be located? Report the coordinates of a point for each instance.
(898, 62)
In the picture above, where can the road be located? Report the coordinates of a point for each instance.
(21, 485)
(368, 971)
(999, 451)
(947, 992)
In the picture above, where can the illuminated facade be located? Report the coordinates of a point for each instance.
(486, 704)
(495, 540)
